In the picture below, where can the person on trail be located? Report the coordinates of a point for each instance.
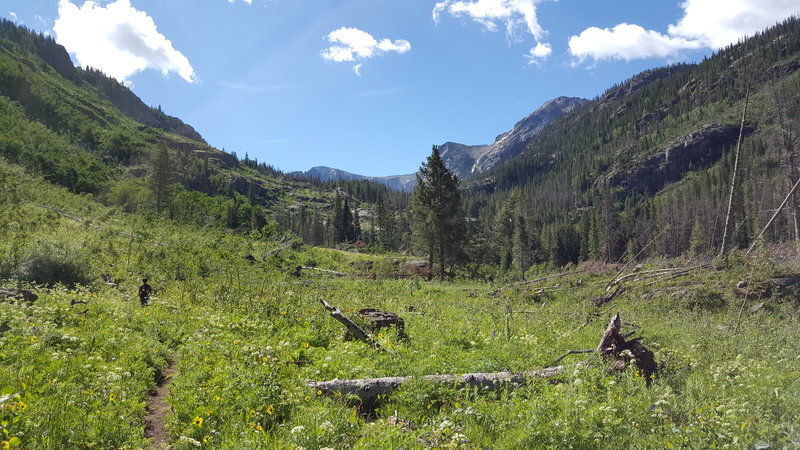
(144, 292)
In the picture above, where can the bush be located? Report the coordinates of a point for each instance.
(54, 262)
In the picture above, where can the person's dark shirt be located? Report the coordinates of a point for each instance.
(145, 290)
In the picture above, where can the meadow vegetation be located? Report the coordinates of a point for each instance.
(79, 363)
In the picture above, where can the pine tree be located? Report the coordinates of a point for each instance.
(437, 224)
(162, 176)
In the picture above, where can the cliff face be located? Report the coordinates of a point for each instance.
(513, 142)
(132, 106)
(466, 160)
(698, 149)
(460, 158)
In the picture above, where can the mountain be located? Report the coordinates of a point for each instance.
(404, 183)
(467, 160)
(650, 161)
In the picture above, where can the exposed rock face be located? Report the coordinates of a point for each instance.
(513, 142)
(464, 160)
(132, 106)
(698, 149)
(460, 158)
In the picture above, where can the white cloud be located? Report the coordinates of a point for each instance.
(539, 53)
(13, 16)
(719, 23)
(354, 45)
(117, 39)
(513, 14)
(625, 41)
(705, 24)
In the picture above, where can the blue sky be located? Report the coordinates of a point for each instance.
(368, 86)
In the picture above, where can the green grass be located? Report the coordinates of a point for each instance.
(80, 376)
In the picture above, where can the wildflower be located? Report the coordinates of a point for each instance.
(319, 391)
(341, 373)
(380, 335)
(270, 409)
(197, 421)
(33, 339)
(217, 398)
(298, 429)
(112, 397)
(206, 439)
(306, 345)
(252, 413)
(259, 428)
(209, 412)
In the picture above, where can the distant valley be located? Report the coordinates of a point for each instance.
(466, 160)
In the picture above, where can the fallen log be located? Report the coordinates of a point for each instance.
(299, 269)
(351, 326)
(369, 389)
(19, 294)
(611, 348)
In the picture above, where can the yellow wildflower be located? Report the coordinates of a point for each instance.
(206, 439)
(197, 421)
(306, 345)
(270, 409)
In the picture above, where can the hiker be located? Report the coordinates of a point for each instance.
(144, 292)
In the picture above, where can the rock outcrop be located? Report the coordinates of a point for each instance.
(698, 149)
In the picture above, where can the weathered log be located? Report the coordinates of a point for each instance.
(611, 348)
(600, 301)
(299, 269)
(369, 389)
(354, 329)
(19, 294)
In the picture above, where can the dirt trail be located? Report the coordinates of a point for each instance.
(157, 409)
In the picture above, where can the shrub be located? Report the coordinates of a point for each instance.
(53, 262)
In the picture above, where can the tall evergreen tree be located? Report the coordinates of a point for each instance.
(162, 177)
(437, 224)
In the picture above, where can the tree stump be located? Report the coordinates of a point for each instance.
(382, 319)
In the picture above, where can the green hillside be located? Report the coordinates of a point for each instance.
(652, 157)
(235, 349)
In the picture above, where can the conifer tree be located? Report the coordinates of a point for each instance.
(162, 176)
(437, 224)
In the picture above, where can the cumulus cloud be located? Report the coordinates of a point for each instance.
(13, 16)
(539, 53)
(513, 14)
(719, 23)
(117, 39)
(705, 24)
(354, 45)
(625, 41)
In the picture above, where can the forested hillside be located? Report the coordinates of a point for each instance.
(652, 158)
(85, 131)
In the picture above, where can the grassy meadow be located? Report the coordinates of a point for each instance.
(77, 366)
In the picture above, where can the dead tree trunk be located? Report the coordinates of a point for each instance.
(610, 348)
(368, 389)
(354, 329)
(723, 248)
